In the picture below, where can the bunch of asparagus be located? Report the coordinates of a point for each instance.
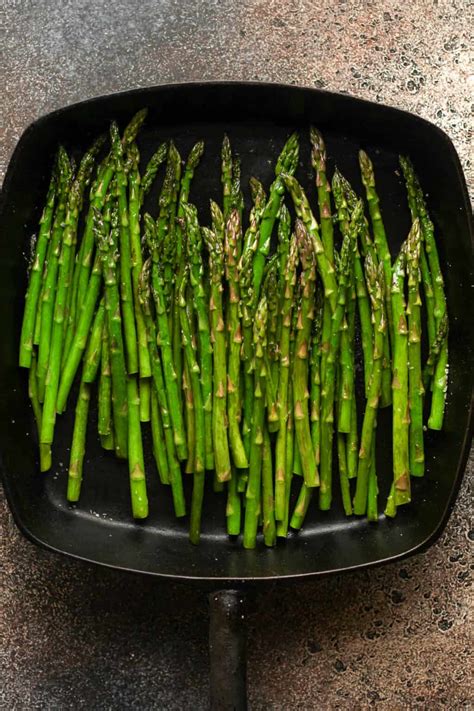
(241, 360)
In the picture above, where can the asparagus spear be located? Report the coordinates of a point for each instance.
(415, 385)
(323, 261)
(232, 240)
(401, 415)
(375, 280)
(164, 340)
(270, 287)
(282, 476)
(234, 506)
(236, 197)
(152, 167)
(126, 286)
(158, 438)
(247, 309)
(136, 464)
(92, 354)
(328, 384)
(70, 228)
(318, 159)
(196, 274)
(381, 244)
(44, 449)
(440, 377)
(214, 243)
(105, 424)
(189, 420)
(107, 248)
(64, 178)
(160, 389)
(301, 507)
(409, 175)
(193, 369)
(89, 373)
(367, 247)
(435, 350)
(78, 445)
(268, 501)
(136, 260)
(315, 380)
(253, 494)
(286, 164)
(36, 272)
(300, 369)
(79, 341)
(226, 176)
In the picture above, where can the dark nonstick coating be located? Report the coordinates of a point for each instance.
(258, 118)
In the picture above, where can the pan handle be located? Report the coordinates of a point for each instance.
(227, 650)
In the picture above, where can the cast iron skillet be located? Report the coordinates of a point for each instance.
(258, 118)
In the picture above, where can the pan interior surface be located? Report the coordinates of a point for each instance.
(258, 119)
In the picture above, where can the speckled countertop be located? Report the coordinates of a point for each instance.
(76, 636)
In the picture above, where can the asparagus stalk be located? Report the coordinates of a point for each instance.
(36, 272)
(253, 494)
(158, 438)
(301, 507)
(328, 384)
(160, 389)
(303, 211)
(373, 490)
(381, 244)
(57, 335)
(247, 309)
(226, 176)
(136, 464)
(367, 247)
(375, 280)
(300, 368)
(282, 476)
(136, 260)
(232, 240)
(435, 351)
(401, 414)
(440, 377)
(291, 444)
(268, 500)
(107, 248)
(79, 341)
(315, 380)
(78, 446)
(152, 167)
(193, 369)
(234, 506)
(105, 424)
(64, 178)
(94, 347)
(164, 340)
(415, 384)
(196, 274)
(189, 420)
(44, 449)
(286, 164)
(409, 175)
(126, 285)
(214, 243)
(318, 159)
(90, 369)
(270, 287)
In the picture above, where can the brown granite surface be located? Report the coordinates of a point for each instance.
(399, 637)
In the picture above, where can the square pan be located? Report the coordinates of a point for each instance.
(258, 118)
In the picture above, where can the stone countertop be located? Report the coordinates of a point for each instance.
(76, 636)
